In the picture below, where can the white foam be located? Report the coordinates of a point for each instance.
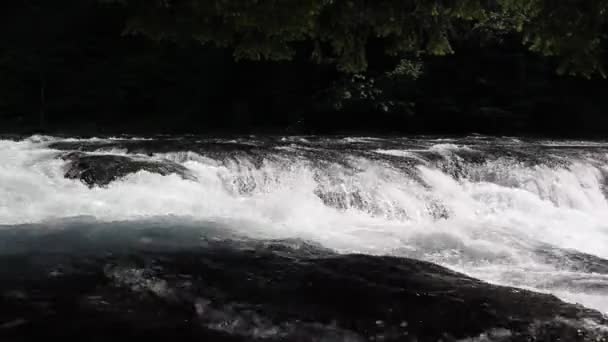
(396, 153)
(488, 224)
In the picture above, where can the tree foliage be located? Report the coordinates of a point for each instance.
(340, 31)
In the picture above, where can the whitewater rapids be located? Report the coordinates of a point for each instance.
(526, 213)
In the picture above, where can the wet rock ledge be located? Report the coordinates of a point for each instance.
(87, 284)
(102, 169)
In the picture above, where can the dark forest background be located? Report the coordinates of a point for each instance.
(74, 66)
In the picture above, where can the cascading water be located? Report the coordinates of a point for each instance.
(531, 214)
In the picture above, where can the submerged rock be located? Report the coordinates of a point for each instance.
(247, 290)
(101, 170)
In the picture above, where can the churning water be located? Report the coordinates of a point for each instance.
(526, 213)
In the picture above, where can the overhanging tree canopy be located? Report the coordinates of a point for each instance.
(339, 30)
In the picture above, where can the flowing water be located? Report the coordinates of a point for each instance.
(519, 212)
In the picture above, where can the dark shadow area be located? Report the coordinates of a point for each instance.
(67, 67)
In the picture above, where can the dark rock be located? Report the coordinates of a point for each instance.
(268, 291)
(151, 146)
(101, 170)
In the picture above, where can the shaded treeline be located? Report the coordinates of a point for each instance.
(69, 66)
